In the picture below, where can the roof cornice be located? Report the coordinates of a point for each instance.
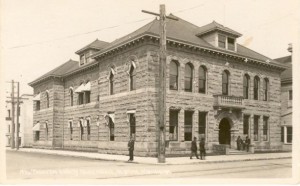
(191, 46)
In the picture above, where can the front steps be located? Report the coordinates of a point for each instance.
(237, 152)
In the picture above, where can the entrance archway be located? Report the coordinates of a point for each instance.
(224, 132)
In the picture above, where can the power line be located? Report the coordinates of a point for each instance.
(97, 30)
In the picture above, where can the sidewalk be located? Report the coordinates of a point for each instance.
(152, 160)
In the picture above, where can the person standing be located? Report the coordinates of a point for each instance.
(247, 143)
(131, 148)
(194, 148)
(202, 149)
(238, 143)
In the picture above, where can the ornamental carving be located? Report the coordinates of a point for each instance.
(232, 118)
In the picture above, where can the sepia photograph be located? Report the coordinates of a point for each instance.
(149, 92)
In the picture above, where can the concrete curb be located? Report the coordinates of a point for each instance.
(151, 161)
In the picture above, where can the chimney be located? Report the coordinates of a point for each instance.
(290, 48)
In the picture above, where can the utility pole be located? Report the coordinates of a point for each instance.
(18, 114)
(162, 79)
(12, 137)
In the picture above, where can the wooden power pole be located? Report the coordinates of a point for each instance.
(18, 114)
(12, 137)
(162, 79)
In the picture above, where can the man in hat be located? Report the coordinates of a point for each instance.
(131, 148)
(194, 148)
(202, 148)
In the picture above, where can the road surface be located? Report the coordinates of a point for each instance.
(24, 165)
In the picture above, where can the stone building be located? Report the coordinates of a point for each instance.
(287, 102)
(217, 90)
(25, 120)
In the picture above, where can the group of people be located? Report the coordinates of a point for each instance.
(243, 144)
(201, 147)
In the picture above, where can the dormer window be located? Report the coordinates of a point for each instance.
(82, 59)
(222, 41)
(226, 42)
(230, 43)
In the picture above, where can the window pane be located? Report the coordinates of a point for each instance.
(173, 82)
(173, 68)
(290, 95)
(246, 125)
(289, 135)
(265, 128)
(282, 134)
(173, 125)
(188, 84)
(188, 124)
(221, 41)
(256, 119)
(202, 86)
(202, 122)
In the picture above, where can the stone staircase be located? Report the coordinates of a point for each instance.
(237, 152)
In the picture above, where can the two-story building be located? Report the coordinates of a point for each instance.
(216, 89)
(287, 101)
(25, 120)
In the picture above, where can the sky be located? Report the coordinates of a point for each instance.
(39, 35)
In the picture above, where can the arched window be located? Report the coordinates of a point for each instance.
(173, 75)
(202, 79)
(188, 77)
(47, 99)
(71, 96)
(132, 78)
(266, 89)
(246, 86)
(81, 129)
(88, 128)
(111, 82)
(46, 130)
(256, 88)
(225, 82)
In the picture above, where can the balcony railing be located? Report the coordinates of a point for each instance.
(229, 101)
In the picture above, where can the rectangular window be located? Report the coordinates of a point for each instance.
(202, 123)
(265, 128)
(256, 120)
(88, 128)
(111, 128)
(289, 134)
(71, 130)
(82, 59)
(8, 113)
(290, 94)
(37, 136)
(132, 124)
(246, 125)
(81, 129)
(222, 41)
(188, 125)
(37, 105)
(282, 134)
(173, 125)
(80, 98)
(230, 44)
(87, 95)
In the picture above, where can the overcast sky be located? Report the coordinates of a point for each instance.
(39, 35)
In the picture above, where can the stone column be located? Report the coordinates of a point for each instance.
(181, 125)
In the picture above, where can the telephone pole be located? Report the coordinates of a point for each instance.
(12, 137)
(162, 79)
(18, 114)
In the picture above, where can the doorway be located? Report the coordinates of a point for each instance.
(224, 132)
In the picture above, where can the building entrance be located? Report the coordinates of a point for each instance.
(224, 132)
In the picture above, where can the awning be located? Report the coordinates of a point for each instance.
(37, 127)
(87, 87)
(133, 64)
(80, 88)
(37, 97)
(107, 116)
(130, 111)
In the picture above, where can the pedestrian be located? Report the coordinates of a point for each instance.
(131, 148)
(238, 143)
(247, 143)
(194, 148)
(202, 149)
